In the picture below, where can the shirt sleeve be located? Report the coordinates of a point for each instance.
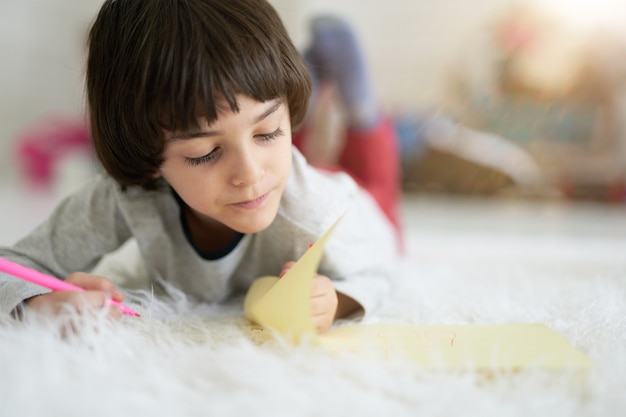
(83, 228)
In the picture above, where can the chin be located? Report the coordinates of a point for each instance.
(255, 223)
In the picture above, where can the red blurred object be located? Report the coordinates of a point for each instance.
(40, 147)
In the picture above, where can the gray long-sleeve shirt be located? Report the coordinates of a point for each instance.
(360, 256)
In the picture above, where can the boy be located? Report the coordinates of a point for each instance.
(192, 106)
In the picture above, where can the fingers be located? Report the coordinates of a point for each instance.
(324, 300)
(84, 300)
(55, 303)
(95, 283)
(98, 290)
(286, 268)
(97, 294)
(323, 303)
(115, 312)
(321, 285)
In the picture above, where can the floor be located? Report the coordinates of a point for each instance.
(581, 239)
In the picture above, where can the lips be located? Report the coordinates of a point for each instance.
(251, 204)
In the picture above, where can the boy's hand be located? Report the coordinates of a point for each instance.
(324, 300)
(97, 291)
(324, 303)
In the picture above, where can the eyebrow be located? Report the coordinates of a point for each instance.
(193, 134)
(277, 103)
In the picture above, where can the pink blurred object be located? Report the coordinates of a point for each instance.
(40, 147)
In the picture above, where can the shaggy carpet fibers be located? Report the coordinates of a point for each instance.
(187, 359)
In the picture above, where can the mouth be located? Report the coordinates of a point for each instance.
(251, 204)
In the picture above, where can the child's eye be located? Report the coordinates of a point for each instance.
(204, 158)
(271, 135)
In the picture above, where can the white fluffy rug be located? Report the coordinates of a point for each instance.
(182, 359)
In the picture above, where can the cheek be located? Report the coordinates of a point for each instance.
(288, 165)
(179, 176)
(285, 159)
(197, 189)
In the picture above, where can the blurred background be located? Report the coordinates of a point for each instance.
(497, 103)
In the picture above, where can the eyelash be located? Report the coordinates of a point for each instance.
(194, 162)
(270, 136)
(265, 137)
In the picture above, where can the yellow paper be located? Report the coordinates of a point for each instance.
(482, 347)
(284, 304)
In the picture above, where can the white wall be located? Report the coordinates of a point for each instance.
(408, 43)
(41, 49)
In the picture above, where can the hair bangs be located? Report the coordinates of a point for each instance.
(220, 62)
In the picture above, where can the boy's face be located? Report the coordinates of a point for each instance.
(233, 173)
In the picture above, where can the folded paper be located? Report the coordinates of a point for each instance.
(284, 305)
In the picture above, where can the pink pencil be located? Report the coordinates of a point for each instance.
(54, 284)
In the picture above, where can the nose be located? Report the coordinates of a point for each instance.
(247, 168)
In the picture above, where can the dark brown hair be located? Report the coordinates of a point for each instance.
(156, 64)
